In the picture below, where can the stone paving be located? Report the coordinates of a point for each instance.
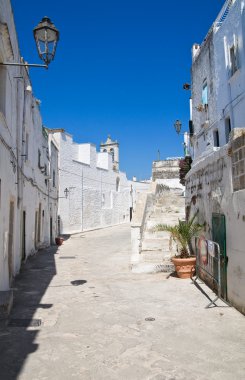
(96, 328)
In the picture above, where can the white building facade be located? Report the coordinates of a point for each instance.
(28, 159)
(92, 193)
(215, 186)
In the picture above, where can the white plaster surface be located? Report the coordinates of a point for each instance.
(98, 195)
(22, 181)
(209, 187)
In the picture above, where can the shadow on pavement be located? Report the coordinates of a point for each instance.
(17, 339)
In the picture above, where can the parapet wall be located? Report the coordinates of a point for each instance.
(165, 169)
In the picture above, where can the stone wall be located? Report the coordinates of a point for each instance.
(211, 189)
(165, 169)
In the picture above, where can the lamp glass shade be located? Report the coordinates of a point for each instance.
(177, 126)
(46, 36)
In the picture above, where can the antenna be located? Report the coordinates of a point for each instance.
(158, 155)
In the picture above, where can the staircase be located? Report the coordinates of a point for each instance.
(165, 207)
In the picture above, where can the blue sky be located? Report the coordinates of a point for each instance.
(119, 69)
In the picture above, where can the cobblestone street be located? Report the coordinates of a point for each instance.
(96, 328)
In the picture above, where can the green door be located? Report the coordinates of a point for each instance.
(219, 236)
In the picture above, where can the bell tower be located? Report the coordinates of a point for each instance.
(111, 147)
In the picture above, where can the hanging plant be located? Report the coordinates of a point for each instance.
(185, 166)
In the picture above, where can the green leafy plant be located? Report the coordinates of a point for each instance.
(182, 234)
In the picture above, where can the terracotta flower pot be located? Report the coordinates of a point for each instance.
(59, 240)
(184, 267)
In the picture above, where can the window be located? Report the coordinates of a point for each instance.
(103, 200)
(233, 59)
(205, 92)
(26, 147)
(53, 178)
(227, 129)
(216, 138)
(39, 158)
(118, 184)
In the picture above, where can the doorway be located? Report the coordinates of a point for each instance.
(10, 241)
(39, 223)
(23, 236)
(131, 213)
(219, 236)
(51, 231)
(36, 229)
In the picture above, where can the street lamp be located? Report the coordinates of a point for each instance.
(66, 192)
(177, 126)
(46, 37)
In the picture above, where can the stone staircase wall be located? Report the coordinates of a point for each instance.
(162, 206)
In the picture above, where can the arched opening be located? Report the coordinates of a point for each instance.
(112, 153)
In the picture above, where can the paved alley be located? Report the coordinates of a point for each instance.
(93, 313)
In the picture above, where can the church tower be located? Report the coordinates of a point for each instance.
(111, 147)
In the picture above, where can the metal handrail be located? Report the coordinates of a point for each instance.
(207, 264)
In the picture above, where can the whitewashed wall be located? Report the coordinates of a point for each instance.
(137, 188)
(22, 181)
(230, 89)
(210, 187)
(203, 69)
(93, 199)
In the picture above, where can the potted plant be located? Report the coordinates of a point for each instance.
(182, 234)
(59, 240)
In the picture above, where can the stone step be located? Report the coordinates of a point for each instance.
(166, 267)
(174, 211)
(173, 215)
(165, 214)
(160, 211)
(165, 218)
(152, 223)
(169, 202)
(154, 244)
(149, 234)
(155, 256)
